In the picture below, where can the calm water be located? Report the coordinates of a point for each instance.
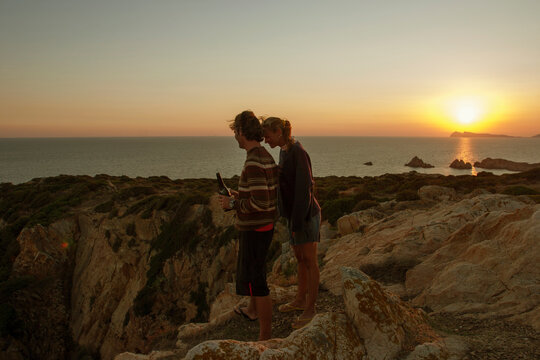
(195, 157)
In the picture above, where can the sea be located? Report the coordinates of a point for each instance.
(24, 159)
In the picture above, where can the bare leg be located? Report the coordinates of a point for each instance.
(300, 300)
(309, 253)
(308, 278)
(264, 311)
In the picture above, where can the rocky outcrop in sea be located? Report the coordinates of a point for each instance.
(416, 162)
(460, 164)
(489, 163)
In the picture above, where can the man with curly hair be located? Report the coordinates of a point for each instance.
(255, 204)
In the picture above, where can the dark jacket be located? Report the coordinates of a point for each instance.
(296, 182)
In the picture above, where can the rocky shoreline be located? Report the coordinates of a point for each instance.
(487, 163)
(114, 265)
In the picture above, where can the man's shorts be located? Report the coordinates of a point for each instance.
(251, 263)
(309, 232)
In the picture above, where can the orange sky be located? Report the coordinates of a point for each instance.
(339, 68)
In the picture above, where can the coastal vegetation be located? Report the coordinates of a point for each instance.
(342, 195)
(183, 211)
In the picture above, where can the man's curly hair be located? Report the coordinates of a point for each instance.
(247, 123)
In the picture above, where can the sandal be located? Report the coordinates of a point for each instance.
(288, 308)
(301, 322)
(239, 311)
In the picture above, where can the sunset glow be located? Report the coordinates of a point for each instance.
(73, 69)
(467, 111)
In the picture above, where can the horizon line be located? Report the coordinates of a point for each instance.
(225, 136)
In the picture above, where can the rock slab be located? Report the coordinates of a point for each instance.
(387, 325)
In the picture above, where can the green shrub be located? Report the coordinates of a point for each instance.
(130, 229)
(365, 204)
(407, 195)
(388, 183)
(226, 236)
(199, 299)
(147, 214)
(519, 190)
(334, 209)
(41, 199)
(142, 305)
(532, 175)
(135, 191)
(362, 195)
(206, 218)
(464, 183)
(144, 204)
(9, 321)
(8, 287)
(132, 243)
(176, 235)
(126, 319)
(536, 198)
(105, 207)
(116, 244)
(113, 214)
(324, 194)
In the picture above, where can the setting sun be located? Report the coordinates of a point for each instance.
(467, 111)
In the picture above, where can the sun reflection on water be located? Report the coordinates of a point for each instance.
(464, 152)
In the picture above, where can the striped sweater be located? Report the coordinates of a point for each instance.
(257, 191)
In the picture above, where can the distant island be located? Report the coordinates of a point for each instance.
(470, 134)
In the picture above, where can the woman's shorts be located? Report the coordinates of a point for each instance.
(251, 263)
(309, 232)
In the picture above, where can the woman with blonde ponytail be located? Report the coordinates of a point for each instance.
(302, 211)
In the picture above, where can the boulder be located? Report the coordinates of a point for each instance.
(436, 193)
(416, 162)
(369, 163)
(154, 355)
(327, 336)
(488, 267)
(450, 348)
(476, 256)
(326, 231)
(221, 310)
(386, 324)
(460, 164)
(350, 223)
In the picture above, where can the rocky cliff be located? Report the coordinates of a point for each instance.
(109, 267)
(118, 270)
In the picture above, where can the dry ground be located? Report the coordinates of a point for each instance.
(495, 339)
